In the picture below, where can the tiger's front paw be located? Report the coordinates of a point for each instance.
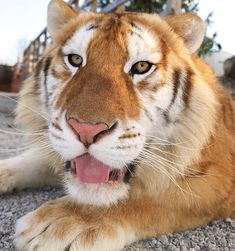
(8, 179)
(54, 227)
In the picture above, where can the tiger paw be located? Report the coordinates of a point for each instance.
(7, 177)
(54, 227)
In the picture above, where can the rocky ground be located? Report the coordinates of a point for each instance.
(218, 235)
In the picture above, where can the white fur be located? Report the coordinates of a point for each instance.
(78, 44)
(95, 194)
(70, 147)
(104, 150)
(142, 46)
(30, 169)
(108, 150)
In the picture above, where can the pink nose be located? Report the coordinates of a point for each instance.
(87, 132)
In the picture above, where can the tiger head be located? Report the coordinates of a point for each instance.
(114, 85)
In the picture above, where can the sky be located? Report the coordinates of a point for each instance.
(22, 20)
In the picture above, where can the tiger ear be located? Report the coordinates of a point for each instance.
(58, 14)
(190, 27)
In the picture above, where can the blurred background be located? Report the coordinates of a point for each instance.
(24, 36)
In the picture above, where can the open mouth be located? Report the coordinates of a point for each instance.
(92, 171)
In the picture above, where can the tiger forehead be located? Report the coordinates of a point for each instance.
(107, 25)
(103, 39)
(110, 34)
(113, 22)
(98, 21)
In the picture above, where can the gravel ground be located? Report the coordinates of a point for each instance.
(218, 235)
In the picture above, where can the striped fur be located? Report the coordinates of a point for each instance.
(175, 129)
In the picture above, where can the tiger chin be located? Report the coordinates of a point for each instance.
(122, 111)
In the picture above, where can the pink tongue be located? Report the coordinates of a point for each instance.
(91, 170)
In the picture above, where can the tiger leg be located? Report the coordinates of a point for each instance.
(62, 225)
(29, 169)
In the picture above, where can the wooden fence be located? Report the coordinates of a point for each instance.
(37, 47)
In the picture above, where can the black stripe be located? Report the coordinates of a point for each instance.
(44, 230)
(148, 114)
(67, 166)
(46, 69)
(92, 27)
(135, 26)
(180, 81)
(176, 84)
(68, 247)
(187, 87)
(166, 116)
(130, 172)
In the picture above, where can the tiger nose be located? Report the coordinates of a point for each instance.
(88, 133)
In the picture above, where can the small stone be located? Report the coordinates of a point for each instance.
(163, 239)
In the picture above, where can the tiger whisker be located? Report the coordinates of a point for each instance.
(152, 148)
(183, 174)
(167, 174)
(19, 133)
(167, 160)
(169, 142)
(47, 119)
(167, 165)
(19, 130)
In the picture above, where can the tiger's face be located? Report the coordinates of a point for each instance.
(111, 83)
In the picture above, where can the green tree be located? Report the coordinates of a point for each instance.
(149, 6)
(209, 44)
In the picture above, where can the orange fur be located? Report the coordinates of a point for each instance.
(202, 192)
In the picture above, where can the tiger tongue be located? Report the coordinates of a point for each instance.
(91, 170)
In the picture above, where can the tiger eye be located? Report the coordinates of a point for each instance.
(141, 67)
(75, 60)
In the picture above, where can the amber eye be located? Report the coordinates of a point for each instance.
(75, 60)
(141, 67)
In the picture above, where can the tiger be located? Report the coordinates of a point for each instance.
(123, 113)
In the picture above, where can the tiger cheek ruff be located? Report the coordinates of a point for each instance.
(135, 126)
